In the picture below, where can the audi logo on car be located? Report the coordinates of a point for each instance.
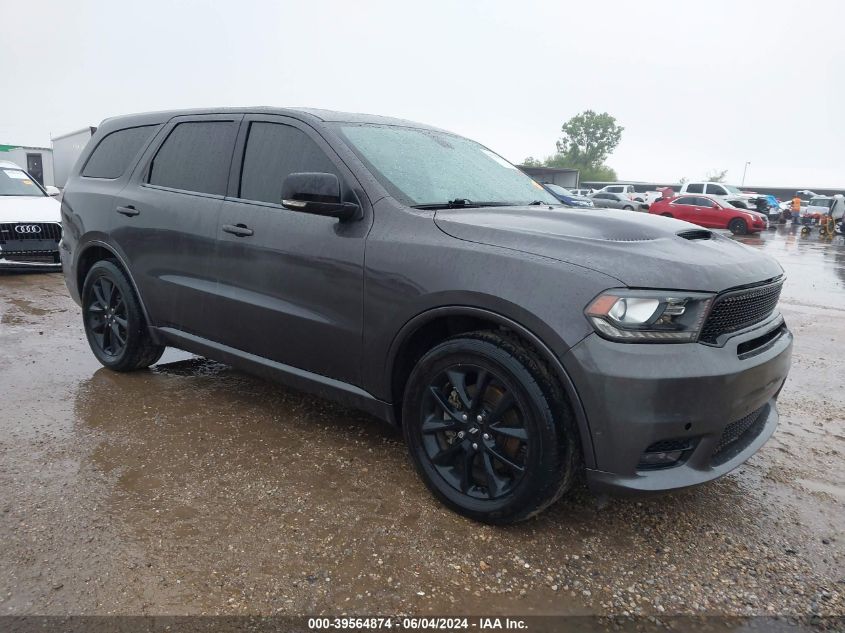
(27, 228)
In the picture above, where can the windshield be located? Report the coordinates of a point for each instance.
(821, 202)
(16, 182)
(559, 190)
(424, 167)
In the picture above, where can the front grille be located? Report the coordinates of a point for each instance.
(33, 257)
(738, 309)
(738, 435)
(45, 231)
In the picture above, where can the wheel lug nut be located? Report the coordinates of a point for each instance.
(486, 436)
(460, 435)
(464, 417)
(474, 446)
(479, 418)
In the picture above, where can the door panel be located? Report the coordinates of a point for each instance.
(170, 248)
(292, 291)
(169, 235)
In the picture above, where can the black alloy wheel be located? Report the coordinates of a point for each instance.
(738, 226)
(114, 321)
(474, 432)
(489, 429)
(106, 317)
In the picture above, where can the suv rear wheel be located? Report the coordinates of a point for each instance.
(114, 322)
(488, 429)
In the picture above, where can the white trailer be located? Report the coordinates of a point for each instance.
(66, 150)
(38, 161)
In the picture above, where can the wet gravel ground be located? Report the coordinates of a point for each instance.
(193, 488)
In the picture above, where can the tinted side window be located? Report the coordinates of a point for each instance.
(113, 154)
(719, 190)
(689, 200)
(704, 202)
(273, 151)
(695, 188)
(195, 157)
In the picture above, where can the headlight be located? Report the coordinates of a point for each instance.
(643, 316)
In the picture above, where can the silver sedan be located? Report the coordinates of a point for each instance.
(615, 201)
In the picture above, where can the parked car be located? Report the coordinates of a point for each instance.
(769, 206)
(728, 193)
(614, 201)
(825, 205)
(30, 222)
(419, 276)
(710, 212)
(567, 197)
(629, 191)
(805, 195)
(583, 192)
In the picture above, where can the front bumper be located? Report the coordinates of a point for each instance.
(636, 395)
(30, 259)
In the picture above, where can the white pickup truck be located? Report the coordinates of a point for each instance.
(630, 192)
(728, 193)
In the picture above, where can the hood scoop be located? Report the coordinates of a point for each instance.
(695, 234)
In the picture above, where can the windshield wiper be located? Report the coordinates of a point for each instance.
(465, 203)
(457, 203)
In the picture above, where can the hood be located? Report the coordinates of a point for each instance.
(638, 249)
(29, 209)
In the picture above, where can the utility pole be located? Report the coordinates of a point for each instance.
(745, 169)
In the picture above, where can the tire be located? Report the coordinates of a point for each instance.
(518, 457)
(120, 339)
(738, 226)
(627, 207)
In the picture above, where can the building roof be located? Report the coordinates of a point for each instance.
(9, 148)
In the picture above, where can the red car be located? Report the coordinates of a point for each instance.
(710, 212)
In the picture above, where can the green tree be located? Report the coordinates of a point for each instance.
(717, 175)
(589, 138)
(586, 142)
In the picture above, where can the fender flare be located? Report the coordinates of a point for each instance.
(106, 246)
(545, 351)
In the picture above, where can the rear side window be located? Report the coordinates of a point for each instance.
(195, 157)
(704, 202)
(115, 152)
(719, 190)
(695, 188)
(273, 151)
(687, 200)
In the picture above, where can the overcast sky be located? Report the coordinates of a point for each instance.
(697, 86)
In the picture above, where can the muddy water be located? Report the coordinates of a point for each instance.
(193, 488)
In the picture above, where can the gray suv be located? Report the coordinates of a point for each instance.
(419, 276)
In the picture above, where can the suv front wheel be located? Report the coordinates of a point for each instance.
(488, 428)
(114, 323)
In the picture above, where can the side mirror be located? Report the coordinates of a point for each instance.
(52, 191)
(317, 193)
